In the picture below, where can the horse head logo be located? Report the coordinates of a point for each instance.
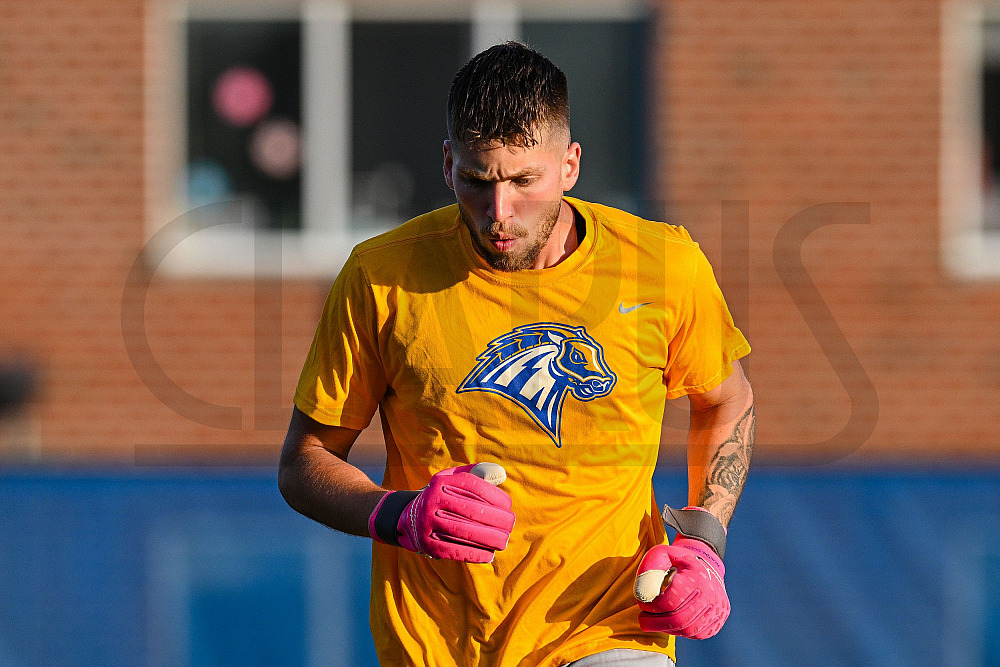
(537, 366)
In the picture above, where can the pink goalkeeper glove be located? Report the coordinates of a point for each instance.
(681, 588)
(460, 515)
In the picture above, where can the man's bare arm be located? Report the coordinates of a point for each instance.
(320, 484)
(720, 443)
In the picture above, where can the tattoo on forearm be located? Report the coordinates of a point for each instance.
(727, 471)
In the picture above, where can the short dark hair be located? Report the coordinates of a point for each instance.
(507, 94)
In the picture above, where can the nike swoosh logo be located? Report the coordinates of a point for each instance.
(625, 311)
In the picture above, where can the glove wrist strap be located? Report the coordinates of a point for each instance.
(383, 523)
(697, 524)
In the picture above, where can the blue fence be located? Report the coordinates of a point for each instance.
(196, 567)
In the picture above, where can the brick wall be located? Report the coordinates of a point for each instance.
(785, 105)
(70, 210)
(776, 106)
(72, 225)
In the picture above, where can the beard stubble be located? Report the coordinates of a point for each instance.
(517, 260)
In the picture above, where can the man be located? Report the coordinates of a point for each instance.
(542, 333)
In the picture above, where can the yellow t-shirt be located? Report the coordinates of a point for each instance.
(558, 374)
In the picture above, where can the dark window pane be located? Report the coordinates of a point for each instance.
(603, 61)
(401, 73)
(991, 126)
(244, 116)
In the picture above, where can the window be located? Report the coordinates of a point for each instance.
(280, 137)
(244, 116)
(970, 136)
(400, 75)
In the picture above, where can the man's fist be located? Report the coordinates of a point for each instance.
(458, 516)
(681, 590)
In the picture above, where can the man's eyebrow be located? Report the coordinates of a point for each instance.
(471, 172)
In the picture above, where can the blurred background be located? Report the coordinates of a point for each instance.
(180, 182)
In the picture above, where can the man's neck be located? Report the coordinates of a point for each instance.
(566, 237)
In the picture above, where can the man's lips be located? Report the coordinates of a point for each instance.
(503, 242)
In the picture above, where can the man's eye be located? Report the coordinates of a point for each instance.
(523, 181)
(474, 182)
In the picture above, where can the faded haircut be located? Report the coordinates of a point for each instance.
(507, 95)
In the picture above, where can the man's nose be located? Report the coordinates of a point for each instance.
(501, 207)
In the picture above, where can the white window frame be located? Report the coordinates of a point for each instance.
(968, 250)
(326, 238)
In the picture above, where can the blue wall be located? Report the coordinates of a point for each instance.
(210, 567)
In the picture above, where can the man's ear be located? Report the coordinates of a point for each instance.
(448, 162)
(571, 166)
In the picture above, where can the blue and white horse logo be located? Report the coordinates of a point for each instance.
(537, 366)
